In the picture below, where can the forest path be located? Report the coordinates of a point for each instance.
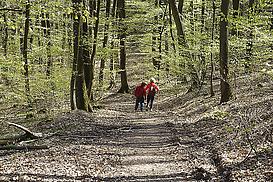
(152, 148)
(114, 143)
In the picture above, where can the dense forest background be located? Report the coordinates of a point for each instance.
(47, 45)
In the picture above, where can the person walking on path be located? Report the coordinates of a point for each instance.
(152, 89)
(140, 94)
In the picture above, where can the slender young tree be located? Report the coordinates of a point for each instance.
(94, 47)
(105, 40)
(235, 5)
(249, 44)
(111, 64)
(154, 36)
(86, 56)
(178, 23)
(224, 84)
(122, 37)
(46, 26)
(171, 30)
(202, 45)
(180, 6)
(211, 55)
(25, 52)
(183, 44)
(6, 35)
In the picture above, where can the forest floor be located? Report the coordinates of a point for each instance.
(187, 137)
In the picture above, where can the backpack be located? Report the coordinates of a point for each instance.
(152, 91)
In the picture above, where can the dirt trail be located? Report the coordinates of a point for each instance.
(132, 146)
(151, 148)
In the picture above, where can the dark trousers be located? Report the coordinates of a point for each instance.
(139, 101)
(150, 100)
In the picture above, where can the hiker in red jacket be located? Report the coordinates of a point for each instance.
(152, 89)
(140, 96)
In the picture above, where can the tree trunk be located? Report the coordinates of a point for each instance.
(235, 5)
(171, 30)
(25, 52)
(154, 38)
(6, 35)
(78, 91)
(111, 64)
(76, 29)
(271, 26)
(202, 54)
(105, 41)
(48, 46)
(178, 23)
(211, 55)
(122, 37)
(249, 44)
(180, 6)
(94, 49)
(82, 99)
(224, 85)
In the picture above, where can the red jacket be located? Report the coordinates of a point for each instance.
(152, 88)
(139, 91)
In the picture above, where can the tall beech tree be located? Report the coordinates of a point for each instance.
(122, 37)
(224, 83)
(78, 92)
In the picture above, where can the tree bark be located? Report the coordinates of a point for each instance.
(94, 49)
(211, 55)
(111, 64)
(249, 44)
(76, 29)
(178, 23)
(48, 46)
(235, 5)
(154, 37)
(105, 41)
(79, 97)
(180, 6)
(224, 84)
(202, 54)
(25, 52)
(171, 30)
(122, 37)
(6, 35)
